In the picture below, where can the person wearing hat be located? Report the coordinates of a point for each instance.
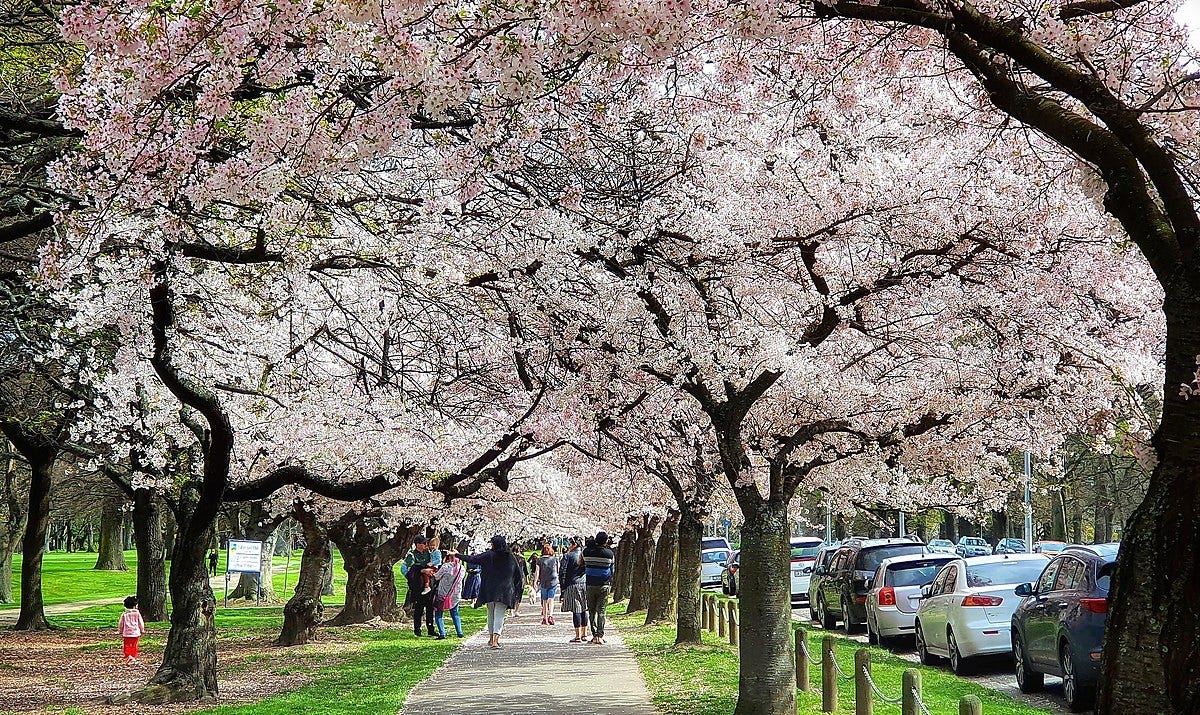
(598, 563)
(450, 576)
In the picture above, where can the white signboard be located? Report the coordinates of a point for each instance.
(244, 556)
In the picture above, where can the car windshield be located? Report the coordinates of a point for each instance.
(714, 557)
(805, 552)
(974, 542)
(714, 544)
(913, 573)
(939, 542)
(1052, 547)
(1001, 573)
(868, 559)
(1014, 542)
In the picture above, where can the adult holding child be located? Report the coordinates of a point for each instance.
(500, 585)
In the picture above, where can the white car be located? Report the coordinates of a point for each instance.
(895, 594)
(804, 559)
(712, 562)
(941, 546)
(967, 610)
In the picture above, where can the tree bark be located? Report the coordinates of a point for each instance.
(33, 545)
(15, 501)
(766, 684)
(168, 534)
(1151, 661)
(642, 576)
(664, 585)
(687, 624)
(151, 561)
(304, 610)
(327, 571)
(624, 566)
(111, 556)
(370, 574)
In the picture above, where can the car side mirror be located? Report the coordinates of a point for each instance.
(1024, 590)
(927, 590)
(821, 571)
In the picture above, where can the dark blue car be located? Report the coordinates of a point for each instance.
(1059, 628)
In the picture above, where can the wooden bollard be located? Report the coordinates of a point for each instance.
(862, 689)
(802, 681)
(734, 636)
(970, 705)
(712, 614)
(721, 620)
(829, 683)
(912, 690)
(704, 611)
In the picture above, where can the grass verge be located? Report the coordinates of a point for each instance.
(702, 680)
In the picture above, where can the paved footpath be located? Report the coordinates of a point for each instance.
(536, 671)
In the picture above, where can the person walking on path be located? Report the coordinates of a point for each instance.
(212, 563)
(420, 600)
(501, 584)
(598, 567)
(131, 627)
(524, 567)
(545, 575)
(573, 581)
(449, 576)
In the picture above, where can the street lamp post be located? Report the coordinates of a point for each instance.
(1028, 502)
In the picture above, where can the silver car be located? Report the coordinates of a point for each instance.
(895, 594)
(804, 558)
(712, 562)
(972, 546)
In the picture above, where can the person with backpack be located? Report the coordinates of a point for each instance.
(545, 578)
(598, 562)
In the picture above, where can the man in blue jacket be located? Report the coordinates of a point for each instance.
(598, 563)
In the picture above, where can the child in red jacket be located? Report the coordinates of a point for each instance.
(131, 627)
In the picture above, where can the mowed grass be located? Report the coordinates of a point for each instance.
(702, 680)
(71, 578)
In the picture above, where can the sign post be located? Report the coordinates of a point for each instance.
(244, 557)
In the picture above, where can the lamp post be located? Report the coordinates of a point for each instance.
(900, 527)
(1028, 503)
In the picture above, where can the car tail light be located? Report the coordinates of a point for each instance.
(1095, 605)
(887, 596)
(982, 601)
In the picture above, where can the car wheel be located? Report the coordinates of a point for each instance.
(812, 609)
(958, 663)
(1078, 698)
(828, 622)
(923, 653)
(848, 624)
(1028, 680)
(872, 638)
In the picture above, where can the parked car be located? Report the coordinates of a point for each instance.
(715, 542)
(842, 594)
(1059, 628)
(940, 546)
(824, 556)
(804, 555)
(967, 610)
(972, 546)
(729, 575)
(895, 594)
(1011, 546)
(712, 563)
(1048, 547)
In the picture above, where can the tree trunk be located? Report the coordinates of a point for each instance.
(1151, 660)
(13, 527)
(33, 546)
(370, 573)
(664, 586)
(168, 534)
(766, 676)
(111, 555)
(189, 667)
(151, 559)
(327, 571)
(624, 567)
(687, 624)
(642, 576)
(1058, 516)
(304, 609)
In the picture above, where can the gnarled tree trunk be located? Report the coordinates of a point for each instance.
(687, 624)
(15, 499)
(370, 574)
(642, 575)
(151, 561)
(766, 676)
(623, 570)
(33, 545)
(111, 556)
(304, 610)
(327, 571)
(663, 591)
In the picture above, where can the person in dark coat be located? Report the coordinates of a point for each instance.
(422, 603)
(500, 586)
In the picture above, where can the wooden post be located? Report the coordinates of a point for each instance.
(970, 705)
(712, 614)
(911, 691)
(802, 680)
(721, 620)
(733, 624)
(704, 612)
(829, 683)
(862, 689)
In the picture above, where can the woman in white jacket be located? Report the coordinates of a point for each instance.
(450, 576)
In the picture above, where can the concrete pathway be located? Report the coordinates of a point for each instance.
(535, 672)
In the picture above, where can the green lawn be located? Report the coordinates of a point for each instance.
(702, 680)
